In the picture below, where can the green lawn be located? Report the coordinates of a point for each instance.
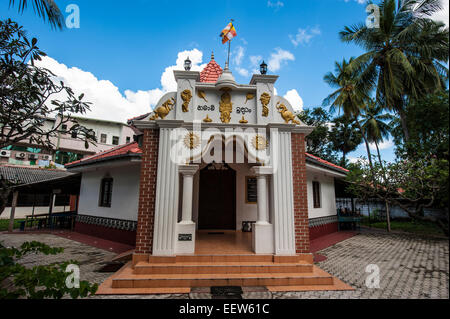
(416, 227)
(4, 223)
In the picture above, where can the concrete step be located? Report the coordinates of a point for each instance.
(221, 267)
(231, 258)
(128, 279)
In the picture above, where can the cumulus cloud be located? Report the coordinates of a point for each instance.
(294, 99)
(382, 146)
(278, 58)
(443, 14)
(304, 36)
(108, 102)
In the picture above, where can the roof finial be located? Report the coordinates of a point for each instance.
(212, 55)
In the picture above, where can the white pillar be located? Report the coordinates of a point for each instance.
(188, 172)
(263, 240)
(263, 216)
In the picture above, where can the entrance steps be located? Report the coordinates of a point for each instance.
(180, 273)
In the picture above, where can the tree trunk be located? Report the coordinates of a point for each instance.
(367, 144)
(388, 215)
(402, 114)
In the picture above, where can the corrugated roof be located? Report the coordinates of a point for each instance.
(211, 72)
(27, 175)
(121, 150)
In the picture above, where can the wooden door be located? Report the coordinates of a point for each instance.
(217, 200)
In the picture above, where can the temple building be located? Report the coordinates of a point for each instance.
(218, 178)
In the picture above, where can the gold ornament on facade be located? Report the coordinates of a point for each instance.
(243, 120)
(287, 116)
(226, 107)
(162, 111)
(207, 119)
(191, 140)
(202, 95)
(259, 142)
(265, 99)
(249, 97)
(186, 96)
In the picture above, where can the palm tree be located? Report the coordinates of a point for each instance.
(405, 56)
(350, 95)
(373, 120)
(46, 9)
(344, 137)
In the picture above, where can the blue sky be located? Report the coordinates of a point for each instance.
(123, 54)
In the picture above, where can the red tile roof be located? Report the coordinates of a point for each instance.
(130, 148)
(133, 148)
(211, 72)
(324, 162)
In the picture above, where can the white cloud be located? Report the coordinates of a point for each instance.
(277, 5)
(108, 102)
(279, 57)
(304, 36)
(238, 55)
(382, 146)
(443, 15)
(243, 72)
(294, 99)
(359, 1)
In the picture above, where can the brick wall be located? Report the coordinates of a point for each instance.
(300, 193)
(147, 192)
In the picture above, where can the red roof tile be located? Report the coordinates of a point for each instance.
(130, 148)
(211, 72)
(326, 162)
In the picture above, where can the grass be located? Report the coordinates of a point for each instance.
(4, 224)
(415, 227)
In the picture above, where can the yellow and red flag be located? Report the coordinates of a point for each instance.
(228, 33)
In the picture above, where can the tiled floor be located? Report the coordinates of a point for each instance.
(223, 242)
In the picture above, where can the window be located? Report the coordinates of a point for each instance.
(316, 194)
(103, 138)
(105, 192)
(128, 139)
(115, 140)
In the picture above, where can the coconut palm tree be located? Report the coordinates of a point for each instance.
(344, 137)
(373, 120)
(350, 95)
(46, 9)
(405, 56)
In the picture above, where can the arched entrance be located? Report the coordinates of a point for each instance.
(217, 198)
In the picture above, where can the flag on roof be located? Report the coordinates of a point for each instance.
(228, 33)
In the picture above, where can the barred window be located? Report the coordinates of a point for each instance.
(106, 192)
(316, 194)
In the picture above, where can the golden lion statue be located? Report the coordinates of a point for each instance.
(286, 115)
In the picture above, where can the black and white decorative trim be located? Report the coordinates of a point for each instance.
(108, 222)
(313, 222)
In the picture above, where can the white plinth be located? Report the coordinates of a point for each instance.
(185, 247)
(262, 238)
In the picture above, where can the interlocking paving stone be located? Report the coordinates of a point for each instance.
(411, 267)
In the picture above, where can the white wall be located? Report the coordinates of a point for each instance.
(327, 195)
(125, 194)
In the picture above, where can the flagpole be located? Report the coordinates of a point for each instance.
(228, 59)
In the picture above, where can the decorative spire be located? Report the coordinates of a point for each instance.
(212, 55)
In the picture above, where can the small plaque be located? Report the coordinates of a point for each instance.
(184, 237)
(251, 194)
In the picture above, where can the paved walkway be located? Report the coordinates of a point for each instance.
(410, 266)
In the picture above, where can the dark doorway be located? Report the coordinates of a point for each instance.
(217, 200)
